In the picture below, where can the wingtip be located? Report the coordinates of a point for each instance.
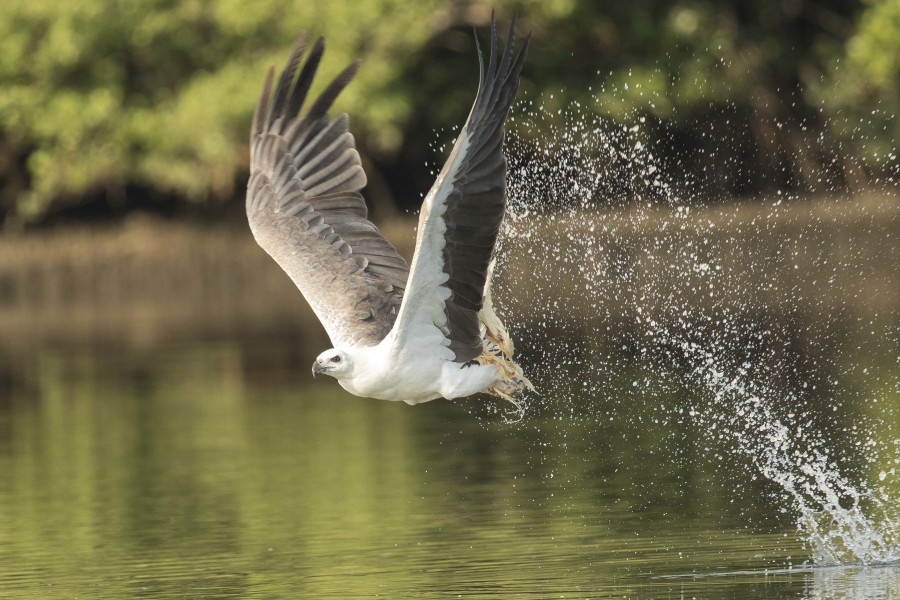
(263, 104)
(299, 44)
(320, 107)
(270, 77)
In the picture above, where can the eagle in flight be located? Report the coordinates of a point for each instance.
(411, 333)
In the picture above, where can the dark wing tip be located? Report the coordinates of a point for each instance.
(263, 106)
(288, 79)
(293, 86)
(499, 82)
(320, 107)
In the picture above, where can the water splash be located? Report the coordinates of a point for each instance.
(565, 179)
(844, 522)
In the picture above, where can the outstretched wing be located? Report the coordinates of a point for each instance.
(461, 217)
(305, 209)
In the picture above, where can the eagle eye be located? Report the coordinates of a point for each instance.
(336, 359)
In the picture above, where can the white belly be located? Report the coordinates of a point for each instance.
(416, 379)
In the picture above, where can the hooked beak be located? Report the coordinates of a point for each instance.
(319, 368)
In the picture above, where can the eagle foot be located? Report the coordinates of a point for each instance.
(511, 382)
(498, 351)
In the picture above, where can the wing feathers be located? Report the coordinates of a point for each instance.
(303, 147)
(473, 216)
(305, 209)
(287, 83)
(261, 112)
(336, 157)
(305, 78)
(464, 210)
(327, 97)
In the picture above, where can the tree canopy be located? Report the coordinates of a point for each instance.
(113, 99)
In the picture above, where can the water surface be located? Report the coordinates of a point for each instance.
(216, 470)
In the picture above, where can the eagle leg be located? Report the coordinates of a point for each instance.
(494, 331)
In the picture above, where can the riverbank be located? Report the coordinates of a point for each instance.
(147, 281)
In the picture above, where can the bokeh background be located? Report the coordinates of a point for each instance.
(112, 107)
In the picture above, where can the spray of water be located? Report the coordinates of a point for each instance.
(582, 189)
(843, 521)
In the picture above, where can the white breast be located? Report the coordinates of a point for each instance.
(414, 377)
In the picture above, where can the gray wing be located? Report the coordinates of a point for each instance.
(462, 214)
(305, 209)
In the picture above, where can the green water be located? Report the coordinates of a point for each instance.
(216, 471)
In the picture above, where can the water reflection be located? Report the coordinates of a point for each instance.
(818, 583)
(209, 470)
(854, 583)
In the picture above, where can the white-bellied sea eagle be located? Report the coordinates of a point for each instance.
(399, 333)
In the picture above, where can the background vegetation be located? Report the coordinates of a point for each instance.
(111, 105)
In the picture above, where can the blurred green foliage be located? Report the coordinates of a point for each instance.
(115, 99)
(99, 95)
